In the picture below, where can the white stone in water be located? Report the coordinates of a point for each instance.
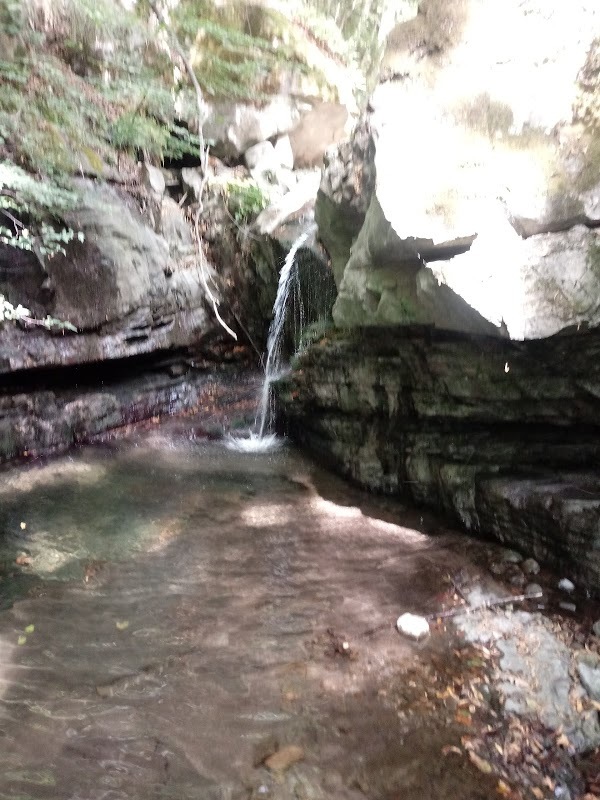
(413, 626)
(566, 585)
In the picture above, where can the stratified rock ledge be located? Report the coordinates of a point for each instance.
(502, 436)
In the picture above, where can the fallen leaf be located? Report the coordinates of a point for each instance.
(30, 629)
(538, 793)
(481, 764)
(451, 748)
(121, 626)
(22, 639)
(284, 758)
(503, 789)
(463, 717)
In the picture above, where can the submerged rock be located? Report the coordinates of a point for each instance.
(413, 626)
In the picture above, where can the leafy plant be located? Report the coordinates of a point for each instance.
(11, 313)
(245, 199)
(26, 206)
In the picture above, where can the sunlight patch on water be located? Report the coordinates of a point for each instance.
(254, 443)
(266, 514)
(29, 478)
(328, 507)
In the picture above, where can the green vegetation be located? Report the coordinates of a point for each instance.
(10, 313)
(245, 199)
(27, 208)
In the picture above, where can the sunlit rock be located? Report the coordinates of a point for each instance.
(486, 132)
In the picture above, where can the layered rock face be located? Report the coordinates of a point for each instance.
(147, 290)
(504, 437)
(487, 154)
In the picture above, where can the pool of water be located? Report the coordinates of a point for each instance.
(173, 609)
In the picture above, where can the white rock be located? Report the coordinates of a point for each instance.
(566, 585)
(154, 179)
(413, 626)
(284, 153)
(260, 155)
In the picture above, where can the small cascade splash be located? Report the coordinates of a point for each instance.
(260, 440)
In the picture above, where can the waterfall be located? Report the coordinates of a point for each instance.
(275, 338)
(261, 439)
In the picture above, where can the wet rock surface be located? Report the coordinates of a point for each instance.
(90, 403)
(490, 431)
(179, 631)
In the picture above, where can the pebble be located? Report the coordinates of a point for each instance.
(530, 566)
(566, 585)
(533, 589)
(413, 626)
(567, 606)
(512, 557)
(498, 568)
(596, 628)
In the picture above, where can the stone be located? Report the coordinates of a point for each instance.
(261, 156)
(511, 557)
(127, 288)
(596, 628)
(566, 585)
(534, 589)
(318, 130)
(385, 282)
(535, 675)
(280, 210)
(570, 607)
(153, 179)
(283, 759)
(349, 166)
(283, 152)
(530, 566)
(193, 183)
(589, 674)
(413, 626)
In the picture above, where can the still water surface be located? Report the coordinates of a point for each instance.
(180, 605)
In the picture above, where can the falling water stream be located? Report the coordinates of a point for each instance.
(261, 439)
(172, 610)
(274, 340)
